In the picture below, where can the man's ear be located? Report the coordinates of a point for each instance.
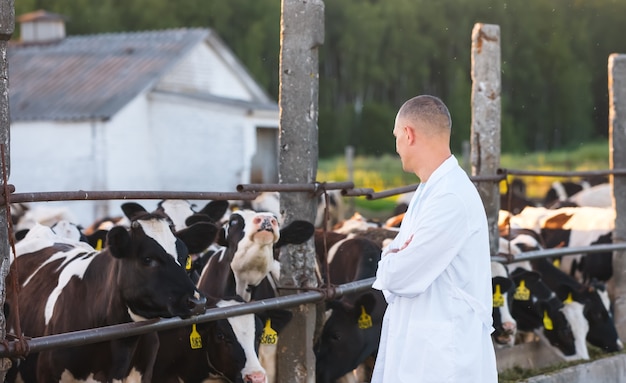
(410, 134)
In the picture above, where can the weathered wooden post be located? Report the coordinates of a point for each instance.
(617, 160)
(302, 32)
(7, 23)
(486, 112)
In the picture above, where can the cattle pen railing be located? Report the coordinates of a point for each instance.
(20, 347)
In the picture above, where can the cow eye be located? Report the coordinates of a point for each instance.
(336, 337)
(148, 261)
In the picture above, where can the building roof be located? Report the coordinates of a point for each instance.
(92, 77)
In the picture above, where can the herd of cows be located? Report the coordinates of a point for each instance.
(178, 261)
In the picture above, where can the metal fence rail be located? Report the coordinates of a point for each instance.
(536, 254)
(100, 334)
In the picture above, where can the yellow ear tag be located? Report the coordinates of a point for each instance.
(547, 322)
(521, 292)
(99, 245)
(269, 336)
(569, 299)
(498, 298)
(188, 263)
(365, 320)
(556, 263)
(194, 338)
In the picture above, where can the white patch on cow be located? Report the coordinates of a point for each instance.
(134, 317)
(75, 268)
(333, 249)
(40, 237)
(178, 210)
(160, 231)
(44, 215)
(67, 377)
(560, 190)
(66, 229)
(580, 327)
(596, 196)
(267, 358)
(254, 258)
(508, 322)
(244, 329)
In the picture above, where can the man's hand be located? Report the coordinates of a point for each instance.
(406, 243)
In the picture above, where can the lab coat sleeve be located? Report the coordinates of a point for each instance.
(439, 230)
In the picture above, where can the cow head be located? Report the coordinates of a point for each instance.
(250, 239)
(233, 343)
(504, 324)
(151, 274)
(597, 311)
(536, 307)
(350, 334)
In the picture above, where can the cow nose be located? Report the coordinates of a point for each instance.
(267, 225)
(197, 305)
(255, 377)
(509, 327)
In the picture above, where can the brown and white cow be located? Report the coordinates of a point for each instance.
(67, 286)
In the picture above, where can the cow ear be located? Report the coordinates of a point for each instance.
(132, 209)
(280, 318)
(215, 210)
(198, 236)
(118, 241)
(97, 240)
(506, 284)
(365, 302)
(295, 233)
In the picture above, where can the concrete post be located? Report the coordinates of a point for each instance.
(7, 25)
(486, 112)
(302, 32)
(617, 160)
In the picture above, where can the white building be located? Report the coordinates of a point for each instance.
(170, 110)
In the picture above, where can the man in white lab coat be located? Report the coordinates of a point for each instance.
(436, 274)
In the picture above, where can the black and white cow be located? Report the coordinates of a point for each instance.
(244, 264)
(224, 349)
(537, 309)
(68, 286)
(351, 332)
(593, 297)
(503, 289)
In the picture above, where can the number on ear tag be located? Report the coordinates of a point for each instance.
(269, 336)
(194, 338)
(188, 263)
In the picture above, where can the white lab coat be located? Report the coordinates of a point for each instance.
(438, 322)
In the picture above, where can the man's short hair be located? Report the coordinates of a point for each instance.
(429, 110)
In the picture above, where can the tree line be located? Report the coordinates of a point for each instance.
(378, 53)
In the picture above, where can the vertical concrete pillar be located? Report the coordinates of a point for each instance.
(302, 32)
(486, 116)
(617, 160)
(7, 25)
